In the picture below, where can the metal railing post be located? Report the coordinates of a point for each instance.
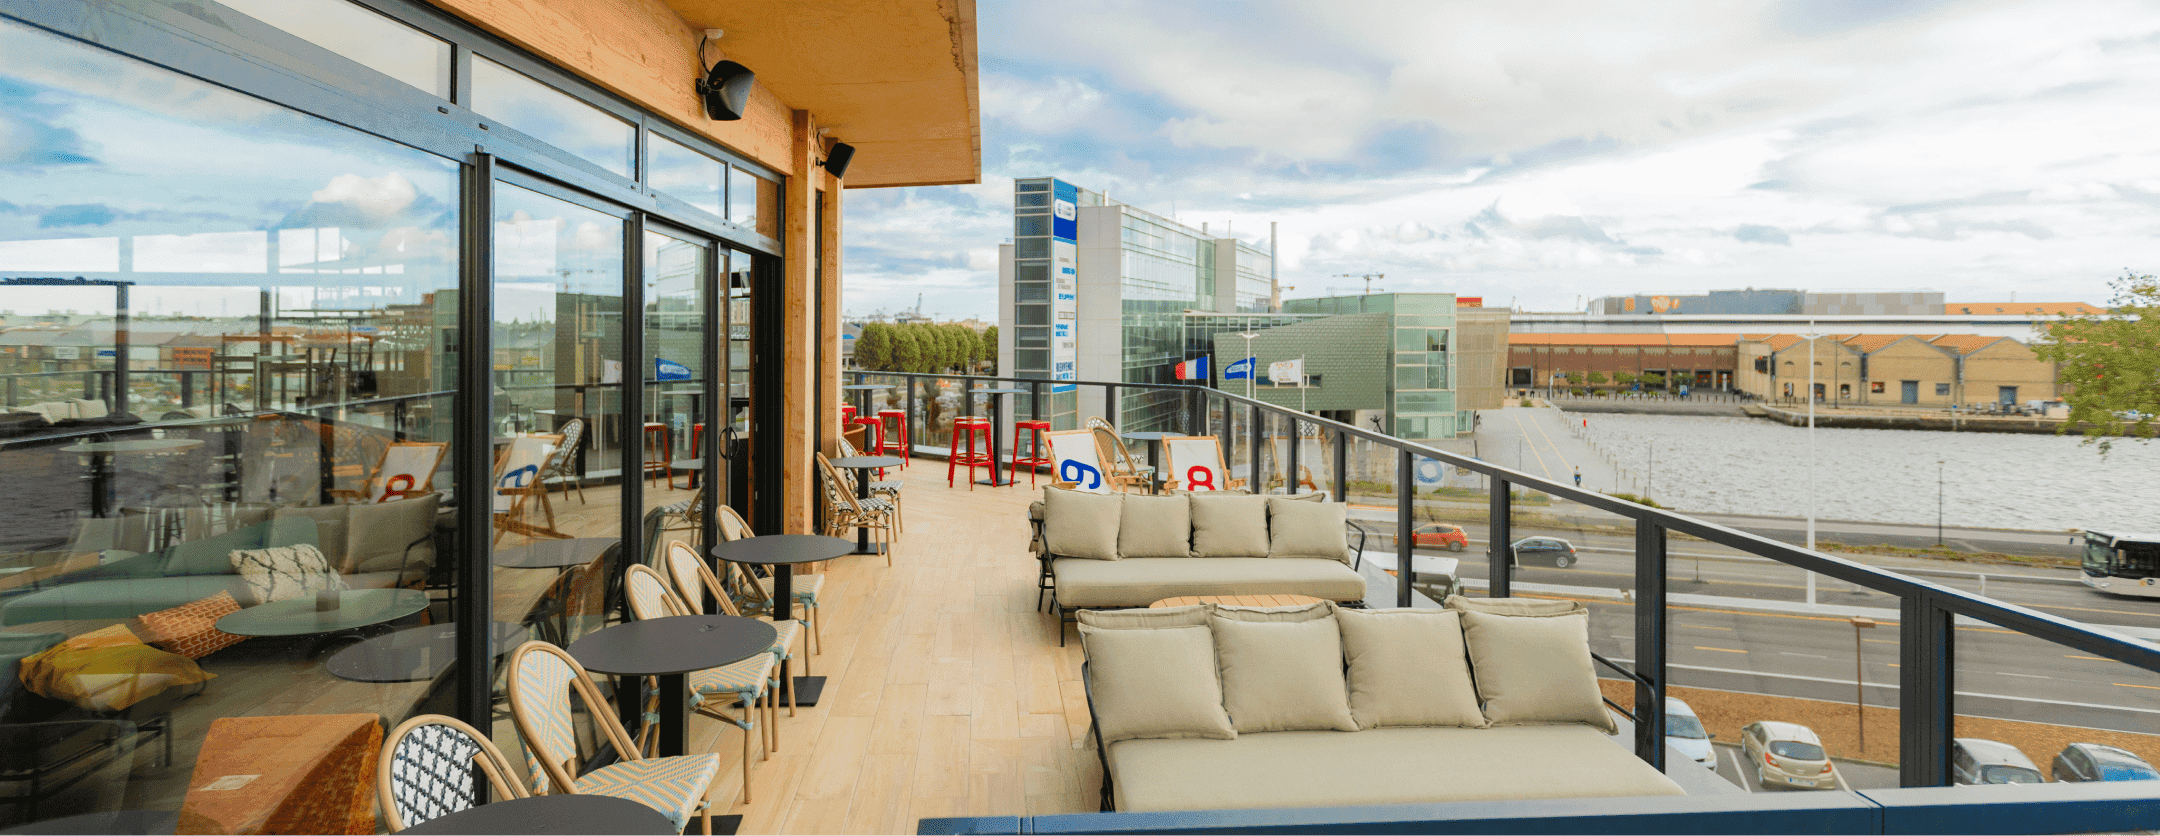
(89, 385)
(916, 428)
(1196, 412)
(967, 398)
(13, 394)
(1254, 480)
(1650, 643)
(1499, 525)
(187, 389)
(1290, 468)
(1405, 516)
(1342, 467)
(1927, 674)
(1110, 406)
(1035, 411)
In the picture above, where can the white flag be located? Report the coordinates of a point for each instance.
(1288, 371)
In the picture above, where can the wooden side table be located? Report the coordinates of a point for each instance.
(1283, 600)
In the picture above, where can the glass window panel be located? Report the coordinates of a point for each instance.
(1409, 339)
(687, 175)
(1031, 248)
(1410, 377)
(1433, 321)
(1031, 315)
(1025, 225)
(1036, 199)
(1031, 292)
(1036, 186)
(553, 117)
(344, 27)
(1031, 272)
(267, 400)
(676, 398)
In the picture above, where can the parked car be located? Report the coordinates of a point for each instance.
(1684, 732)
(1560, 553)
(1976, 761)
(1440, 536)
(2095, 762)
(1787, 755)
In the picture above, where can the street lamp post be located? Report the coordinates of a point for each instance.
(1254, 371)
(1859, 684)
(1811, 335)
(1938, 502)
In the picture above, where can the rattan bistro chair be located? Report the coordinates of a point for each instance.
(889, 488)
(692, 578)
(542, 678)
(756, 595)
(749, 682)
(427, 766)
(1119, 467)
(846, 511)
(561, 468)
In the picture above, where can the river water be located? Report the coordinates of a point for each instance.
(1993, 480)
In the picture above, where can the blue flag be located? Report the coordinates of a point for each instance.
(664, 369)
(1240, 369)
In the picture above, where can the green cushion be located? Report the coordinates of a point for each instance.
(213, 555)
(119, 598)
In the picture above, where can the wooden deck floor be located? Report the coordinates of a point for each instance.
(949, 695)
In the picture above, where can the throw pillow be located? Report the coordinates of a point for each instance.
(1515, 606)
(1190, 615)
(107, 670)
(380, 534)
(1081, 524)
(191, 629)
(1535, 669)
(14, 648)
(331, 523)
(1154, 683)
(1408, 668)
(1307, 529)
(1229, 526)
(1154, 526)
(1282, 675)
(280, 572)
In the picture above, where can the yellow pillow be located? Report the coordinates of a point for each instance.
(107, 670)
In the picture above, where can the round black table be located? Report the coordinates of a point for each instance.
(782, 551)
(668, 648)
(101, 465)
(862, 397)
(414, 654)
(863, 465)
(997, 429)
(596, 814)
(1154, 451)
(298, 616)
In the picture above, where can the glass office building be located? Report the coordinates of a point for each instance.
(1133, 276)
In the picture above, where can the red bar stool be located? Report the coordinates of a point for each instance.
(971, 429)
(847, 414)
(657, 468)
(1039, 456)
(894, 422)
(873, 439)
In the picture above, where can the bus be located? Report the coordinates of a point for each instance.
(2124, 564)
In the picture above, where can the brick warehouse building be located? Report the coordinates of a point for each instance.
(1703, 361)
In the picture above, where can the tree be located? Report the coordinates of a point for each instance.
(1622, 378)
(1653, 380)
(873, 348)
(908, 353)
(990, 347)
(1574, 378)
(1597, 378)
(2111, 363)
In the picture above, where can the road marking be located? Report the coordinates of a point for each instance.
(1739, 776)
(1880, 641)
(1555, 450)
(1706, 627)
(2021, 675)
(2128, 685)
(2092, 658)
(1520, 427)
(1725, 649)
(1809, 655)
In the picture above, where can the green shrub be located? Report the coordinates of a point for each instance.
(1639, 500)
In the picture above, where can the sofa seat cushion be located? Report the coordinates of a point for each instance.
(1377, 766)
(1138, 582)
(119, 598)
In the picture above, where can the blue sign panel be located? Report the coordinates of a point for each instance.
(1064, 211)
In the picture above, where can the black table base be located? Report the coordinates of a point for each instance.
(808, 689)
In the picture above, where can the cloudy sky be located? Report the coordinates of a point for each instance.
(1545, 153)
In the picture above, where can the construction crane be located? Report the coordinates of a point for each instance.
(1368, 277)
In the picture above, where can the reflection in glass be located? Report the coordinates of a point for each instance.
(553, 117)
(240, 414)
(344, 27)
(686, 175)
(676, 396)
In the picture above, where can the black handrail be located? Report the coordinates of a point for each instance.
(1927, 670)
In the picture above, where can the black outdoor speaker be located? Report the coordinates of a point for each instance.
(726, 90)
(836, 162)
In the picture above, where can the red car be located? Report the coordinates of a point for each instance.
(1440, 535)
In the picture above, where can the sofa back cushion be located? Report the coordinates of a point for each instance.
(1282, 675)
(1154, 683)
(379, 535)
(1307, 529)
(1535, 669)
(1190, 615)
(331, 530)
(1515, 606)
(1154, 526)
(89, 408)
(213, 555)
(1081, 524)
(1408, 668)
(1229, 526)
(1300, 612)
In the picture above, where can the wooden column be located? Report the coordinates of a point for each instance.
(798, 360)
(828, 422)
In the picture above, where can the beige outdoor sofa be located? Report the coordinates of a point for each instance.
(1209, 707)
(1106, 551)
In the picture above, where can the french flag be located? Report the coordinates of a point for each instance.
(1193, 370)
